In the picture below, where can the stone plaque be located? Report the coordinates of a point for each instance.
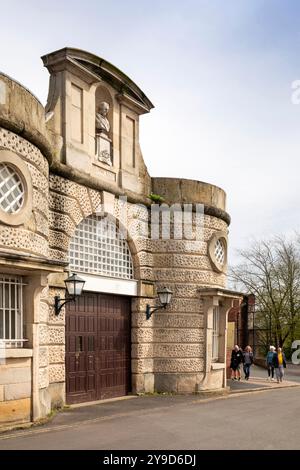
(103, 149)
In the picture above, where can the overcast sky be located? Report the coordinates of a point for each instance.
(219, 73)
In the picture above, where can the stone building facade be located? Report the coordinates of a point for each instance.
(76, 196)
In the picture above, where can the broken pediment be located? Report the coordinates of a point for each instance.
(95, 109)
(94, 69)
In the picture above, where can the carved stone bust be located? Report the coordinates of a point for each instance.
(102, 123)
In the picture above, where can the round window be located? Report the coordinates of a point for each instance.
(12, 191)
(220, 251)
(217, 251)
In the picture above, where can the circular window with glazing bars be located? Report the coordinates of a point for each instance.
(217, 251)
(12, 190)
(220, 251)
(15, 189)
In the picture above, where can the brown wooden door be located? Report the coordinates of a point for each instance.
(97, 347)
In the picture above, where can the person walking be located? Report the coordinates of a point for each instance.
(248, 361)
(279, 362)
(269, 361)
(235, 363)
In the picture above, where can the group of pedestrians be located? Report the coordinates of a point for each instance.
(239, 357)
(275, 361)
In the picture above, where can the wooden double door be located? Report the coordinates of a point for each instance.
(98, 346)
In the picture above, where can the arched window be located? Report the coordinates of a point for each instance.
(98, 247)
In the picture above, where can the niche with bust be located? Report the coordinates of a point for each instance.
(103, 126)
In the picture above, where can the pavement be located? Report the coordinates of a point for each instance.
(234, 421)
(259, 380)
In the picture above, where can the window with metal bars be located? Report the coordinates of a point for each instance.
(98, 247)
(11, 311)
(215, 334)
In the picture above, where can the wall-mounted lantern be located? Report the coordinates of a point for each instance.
(74, 286)
(164, 296)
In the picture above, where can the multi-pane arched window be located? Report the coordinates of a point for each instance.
(98, 247)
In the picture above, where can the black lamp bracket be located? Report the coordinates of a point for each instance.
(150, 310)
(59, 303)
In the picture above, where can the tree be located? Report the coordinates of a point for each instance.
(270, 269)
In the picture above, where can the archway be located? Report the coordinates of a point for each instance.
(98, 325)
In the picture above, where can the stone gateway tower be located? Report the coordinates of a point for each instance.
(76, 197)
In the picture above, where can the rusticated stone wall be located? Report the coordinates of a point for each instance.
(168, 350)
(69, 203)
(51, 350)
(32, 236)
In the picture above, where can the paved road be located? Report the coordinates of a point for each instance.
(257, 420)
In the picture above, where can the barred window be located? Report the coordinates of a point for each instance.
(215, 334)
(98, 247)
(11, 311)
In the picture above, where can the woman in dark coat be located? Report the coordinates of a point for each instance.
(235, 363)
